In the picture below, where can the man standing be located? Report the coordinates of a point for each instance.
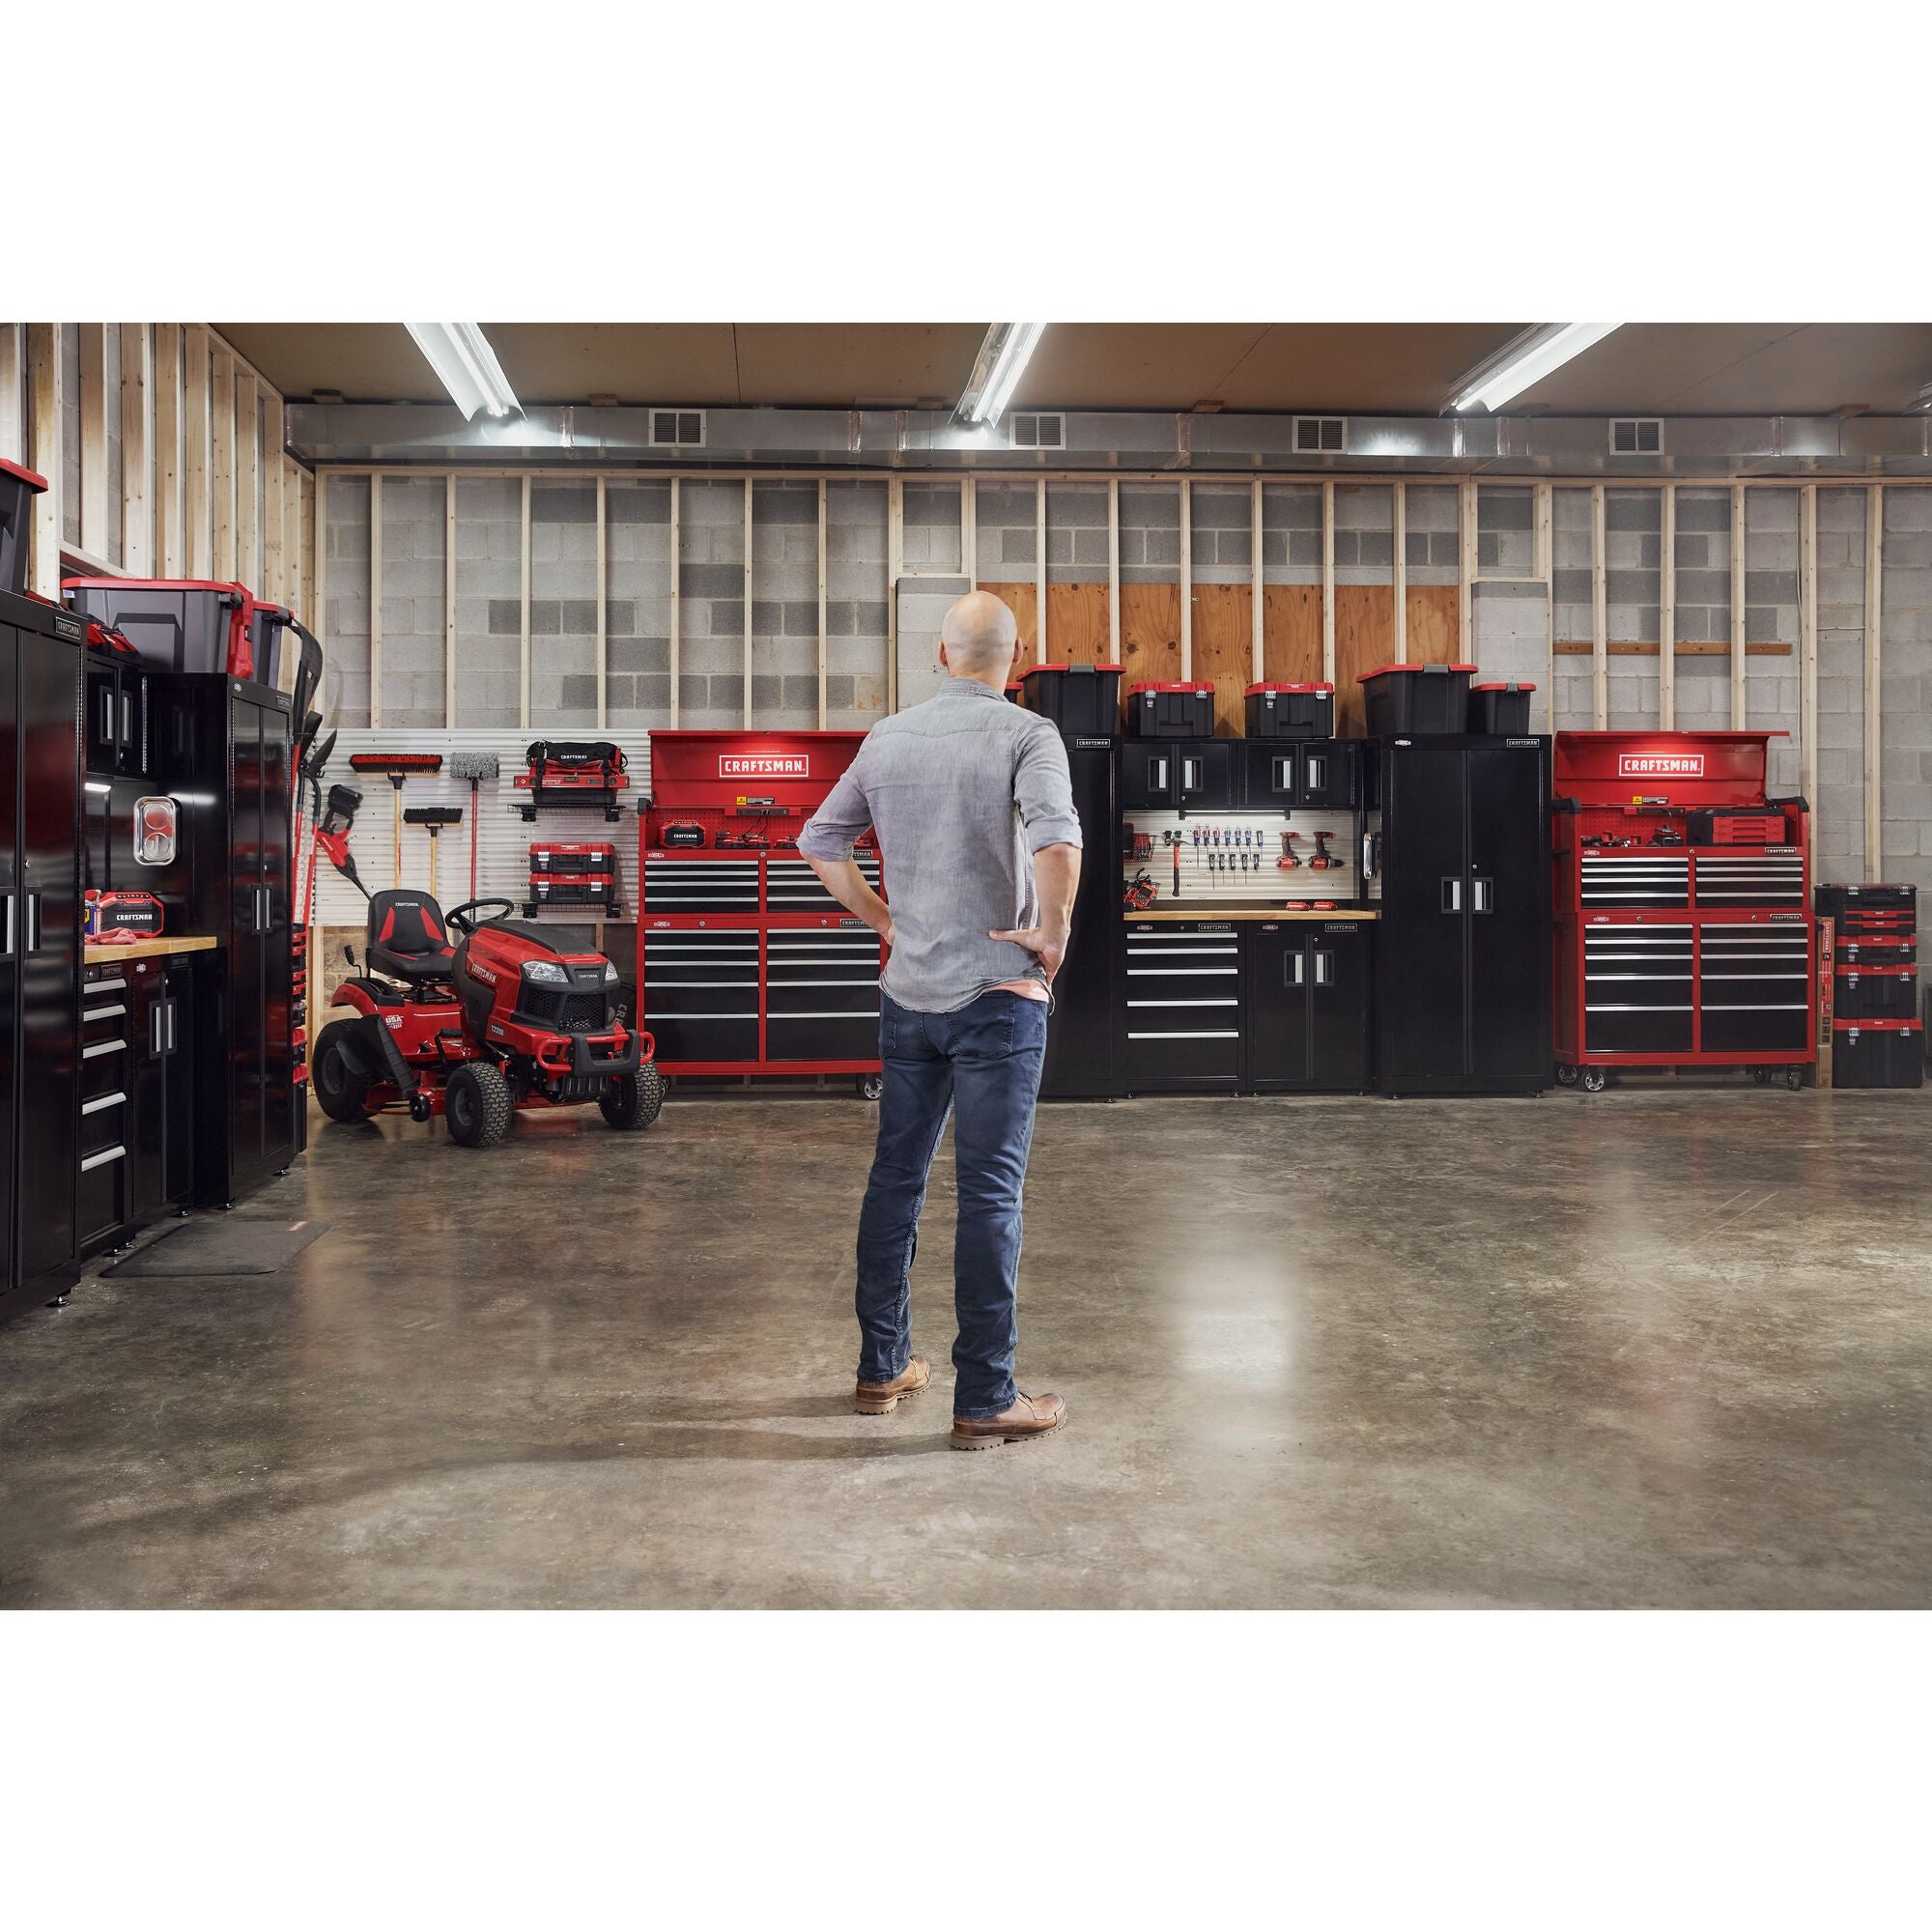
(970, 799)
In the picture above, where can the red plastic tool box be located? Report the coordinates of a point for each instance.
(1671, 952)
(745, 964)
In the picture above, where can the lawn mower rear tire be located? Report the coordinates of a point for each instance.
(341, 1091)
(634, 1100)
(476, 1104)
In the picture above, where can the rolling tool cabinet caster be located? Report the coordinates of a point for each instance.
(871, 1085)
(1566, 1074)
(1762, 1075)
(1595, 1079)
(1794, 1077)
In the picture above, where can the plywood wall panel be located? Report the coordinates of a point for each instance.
(1292, 633)
(1149, 633)
(1434, 616)
(1364, 638)
(1077, 628)
(1224, 650)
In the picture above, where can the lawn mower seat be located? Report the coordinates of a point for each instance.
(406, 939)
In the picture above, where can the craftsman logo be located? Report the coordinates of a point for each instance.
(765, 765)
(1659, 764)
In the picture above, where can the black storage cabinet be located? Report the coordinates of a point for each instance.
(1431, 698)
(1883, 1053)
(240, 870)
(1314, 775)
(1161, 776)
(1308, 987)
(1083, 1046)
(1077, 696)
(39, 965)
(1459, 832)
(1182, 1012)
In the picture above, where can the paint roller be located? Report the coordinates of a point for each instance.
(398, 767)
(474, 767)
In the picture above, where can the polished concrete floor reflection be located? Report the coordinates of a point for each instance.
(1664, 1347)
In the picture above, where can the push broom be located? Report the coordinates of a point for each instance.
(474, 766)
(434, 818)
(398, 767)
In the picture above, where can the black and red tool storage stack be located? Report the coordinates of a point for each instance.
(572, 875)
(1878, 1037)
(571, 775)
(745, 964)
(1682, 894)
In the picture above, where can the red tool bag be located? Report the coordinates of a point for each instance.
(561, 765)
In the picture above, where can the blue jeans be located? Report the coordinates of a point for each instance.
(982, 1064)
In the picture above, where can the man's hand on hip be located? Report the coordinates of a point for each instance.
(1047, 943)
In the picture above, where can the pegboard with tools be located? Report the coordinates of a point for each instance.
(1239, 858)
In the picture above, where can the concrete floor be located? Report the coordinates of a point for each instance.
(1665, 1346)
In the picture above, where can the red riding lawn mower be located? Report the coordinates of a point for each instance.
(512, 1015)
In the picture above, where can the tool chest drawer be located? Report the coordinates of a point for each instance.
(700, 993)
(792, 885)
(822, 994)
(1754, 987)
(1183, 1006)
(1625, 881)
(701, 885)
(1761, 879)
(1637, 987)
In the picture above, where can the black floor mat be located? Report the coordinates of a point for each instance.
(221, 1244)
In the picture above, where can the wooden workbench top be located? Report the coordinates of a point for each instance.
(146, 949)
(1250, 912)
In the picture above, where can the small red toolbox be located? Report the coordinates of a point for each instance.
(1842, 901)
(1878, 1053)
(564, 889)
(1291, 710)
(1859, 951)
(1875, 993)
(1162, 710)
(575, 859)
(119, 919)
(1738, 825)
(1076, 696)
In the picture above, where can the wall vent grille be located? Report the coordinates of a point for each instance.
(1637, 436)
(1320, 435)
(677, 429)
(1038, 432)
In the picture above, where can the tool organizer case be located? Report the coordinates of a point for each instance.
(1878, 1053)
(573, 889)
(572, 774)
(549, 857)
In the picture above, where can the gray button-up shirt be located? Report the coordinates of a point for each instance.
(962, 791)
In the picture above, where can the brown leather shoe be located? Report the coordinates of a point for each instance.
(1030, 1416)
(882, 1398)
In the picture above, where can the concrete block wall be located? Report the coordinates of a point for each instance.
(1905, 716)
(1771, 615)
(1703, 552)
(784, 606)
(929, 538)
(1511, 622)
(1077, 534)
(711, 606)
(414, 550)
(1150, 533)
(343, 547)
(1006, 534)
(1290, 533)
(922, 605)
(638, 582)
(69, 450)
(1840, 802)
(1221, 533)
(1431, 521)
(1574, 548)
(488, 600)
(563, 603)
(857, 595)
(1505, 531)
(1364, 533)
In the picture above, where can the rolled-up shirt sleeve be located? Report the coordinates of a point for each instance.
(831, 831)
(1043, 791)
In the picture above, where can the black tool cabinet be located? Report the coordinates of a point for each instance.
(40, 946)
(1308, 987)
(1304, 775)
(1083, 1048)
(1459, 837)
(1181, 774)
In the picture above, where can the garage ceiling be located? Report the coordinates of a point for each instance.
(1378, 368)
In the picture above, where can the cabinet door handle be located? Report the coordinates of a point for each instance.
(32, 922)
(1371, 855)
(1325, 969)
(1284, 775)
(1452, 895)
(1190, 775)
(155, 1030)
(107, 714)
(8, 952)
(1482, 895)
(127, 721)
(1293, 959)
(171, 1025)
(1317, 772)
(1158, 768)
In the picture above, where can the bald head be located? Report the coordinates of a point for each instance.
(977, 639)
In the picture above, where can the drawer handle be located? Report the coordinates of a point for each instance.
(101, 1158)
(105, 985)
(102, 1012)
(101, 1102)
(100, 1047)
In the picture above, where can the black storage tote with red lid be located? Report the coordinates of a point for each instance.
(1878, 1053)
(175, 624)
(18, 487)
(1416, 699)
(1076, 696)
(1164, 710)
(1291, 710)
(1499, 709)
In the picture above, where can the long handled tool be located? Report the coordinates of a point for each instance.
(434, 818)
(398, 767)
(475, 766)
(331, 834)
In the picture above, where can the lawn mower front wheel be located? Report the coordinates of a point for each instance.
(476, 1104)
(633, 1099)
(341, 1091)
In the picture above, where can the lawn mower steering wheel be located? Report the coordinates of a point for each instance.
(460, 916)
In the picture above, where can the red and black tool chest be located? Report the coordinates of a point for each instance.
(745, 964)
(572, 774)
(1676, 947)
(572, 875)
(1877, 1038)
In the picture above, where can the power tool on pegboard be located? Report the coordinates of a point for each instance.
(1323, 861)
(1140, 892)
(1287, 861)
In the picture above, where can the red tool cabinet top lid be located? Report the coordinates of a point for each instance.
(1158, 684)
(1878, 1026)
(1034, 670)
(32, 478)
(1253, 688)
(1509, 685)
(1383, 670)
(1684, 768)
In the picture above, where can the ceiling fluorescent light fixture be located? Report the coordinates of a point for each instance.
(1525, 360)
(996, 374)
(465, 365)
